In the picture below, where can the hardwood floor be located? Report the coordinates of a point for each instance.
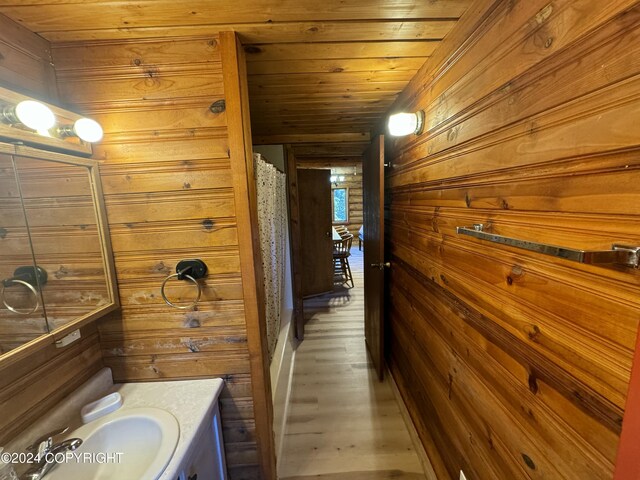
(343, 424)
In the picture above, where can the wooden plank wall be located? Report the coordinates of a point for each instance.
(514, 364)
(169, 192)
(314, 67)
(30, 386)
(25, 62)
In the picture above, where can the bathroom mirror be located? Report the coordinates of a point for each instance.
(55, 260)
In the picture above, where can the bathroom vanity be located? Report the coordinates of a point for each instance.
(189, 448)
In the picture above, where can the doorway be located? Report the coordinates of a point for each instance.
(342, 420)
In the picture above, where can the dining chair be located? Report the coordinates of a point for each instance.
(341, 253)
(342, 230)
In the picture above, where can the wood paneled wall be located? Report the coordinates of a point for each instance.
(31, 386)
(516, 365)
(171, 193)
(25, 62)
(315, 67)
(34, 383)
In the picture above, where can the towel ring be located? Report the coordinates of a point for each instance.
(26, 284)
(191, 270)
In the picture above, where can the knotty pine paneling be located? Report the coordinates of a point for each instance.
(30, 387)
(163, 12)
(169, 195)
(25, 62)
(514, 364)
(342, 49)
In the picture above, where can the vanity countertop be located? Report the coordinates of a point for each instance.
(190, 401)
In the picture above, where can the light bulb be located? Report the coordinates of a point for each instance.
(35, 115)
(88, 130)
(341, 178)
(402, 124)
(333, 179)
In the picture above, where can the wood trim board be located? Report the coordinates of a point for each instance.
(241, 153)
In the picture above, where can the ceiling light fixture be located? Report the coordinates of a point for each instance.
(31, 114)
(84, 128)
(401, 124)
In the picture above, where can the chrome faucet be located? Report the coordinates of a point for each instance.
(46, 451)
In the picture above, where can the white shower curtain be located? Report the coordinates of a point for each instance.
(272, 218)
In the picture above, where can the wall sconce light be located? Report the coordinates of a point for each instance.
(29, 113)
(401, 124)
(83, 128)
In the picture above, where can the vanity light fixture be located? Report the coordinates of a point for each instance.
(31, 114)
(401, 124)
(84, 128)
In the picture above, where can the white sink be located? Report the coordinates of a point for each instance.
(145, 437)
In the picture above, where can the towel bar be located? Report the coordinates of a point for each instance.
(620, 254)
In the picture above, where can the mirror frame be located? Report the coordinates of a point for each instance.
(50, 339)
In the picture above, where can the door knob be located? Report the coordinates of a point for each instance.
(381, 266)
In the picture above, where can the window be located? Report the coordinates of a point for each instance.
(340, 205)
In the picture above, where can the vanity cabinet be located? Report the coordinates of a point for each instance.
(56, 266)
(206, 460)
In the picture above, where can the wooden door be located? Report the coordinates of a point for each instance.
(374, 264)
(314, 192)
(295, 242)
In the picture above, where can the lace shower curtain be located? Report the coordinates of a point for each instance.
(272, 219)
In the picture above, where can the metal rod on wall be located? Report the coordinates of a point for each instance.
(619, 254)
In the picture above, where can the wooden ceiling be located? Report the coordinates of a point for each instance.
(319, 71)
